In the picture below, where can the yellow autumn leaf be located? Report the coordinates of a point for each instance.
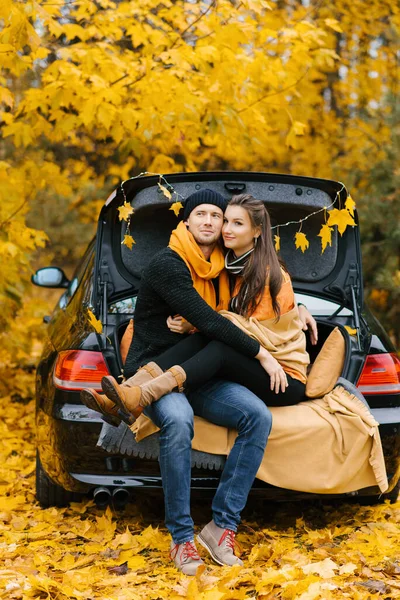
(164, 190)
(325, 568)
(350, 205)
(297, 129)
(341, 218)
(350, 330)
(277, 240)
(125, 211)
(347, 569)
(301, 241)
(95, 323)
(67, 552)
(176, 207)
(128, 241)
(326, 236)
(333, 24)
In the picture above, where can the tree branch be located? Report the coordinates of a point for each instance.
(213, 3)
(14, 213)
(274, 93)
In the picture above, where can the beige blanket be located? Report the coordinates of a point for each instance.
(327, 446)
(285, 339)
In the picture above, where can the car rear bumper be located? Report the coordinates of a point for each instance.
(67, 444)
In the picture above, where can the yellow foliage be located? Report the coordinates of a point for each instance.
(95, 323)
(350, 330)
(301, 241)
(341, 218)
(128, 241)
(306, 551)
(350, 205)
(164, 190)
(94, 92)
(125, 211)
(176, 207)
(326, 236)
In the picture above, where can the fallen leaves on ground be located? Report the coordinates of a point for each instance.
(292, 551)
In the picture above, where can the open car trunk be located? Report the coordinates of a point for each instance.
(288, 200)
(334, 275)
(294, 203)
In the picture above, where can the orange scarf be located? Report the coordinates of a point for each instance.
(202, 271)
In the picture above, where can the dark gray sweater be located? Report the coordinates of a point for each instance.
(166, 289)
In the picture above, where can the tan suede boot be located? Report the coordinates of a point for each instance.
(134, 399)
(100, 403)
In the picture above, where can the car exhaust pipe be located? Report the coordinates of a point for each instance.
(120, 497)
(102, 497)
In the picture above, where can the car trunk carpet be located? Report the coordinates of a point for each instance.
(120, 440)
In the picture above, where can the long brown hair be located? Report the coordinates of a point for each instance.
(263, 263)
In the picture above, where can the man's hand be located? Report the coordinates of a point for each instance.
(309, 323)
(178, 324)
(276, 374)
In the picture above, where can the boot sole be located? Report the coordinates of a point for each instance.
(205, 545)
(110, 390)
(90, 401)
(108, 386)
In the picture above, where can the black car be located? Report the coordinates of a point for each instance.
(70, 460)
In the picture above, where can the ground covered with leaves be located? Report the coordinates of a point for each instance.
(302, 551)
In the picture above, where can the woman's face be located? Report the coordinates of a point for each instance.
(238, 232)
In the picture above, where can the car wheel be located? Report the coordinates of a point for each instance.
(49, 493)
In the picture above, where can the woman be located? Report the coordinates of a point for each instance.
(262, 305)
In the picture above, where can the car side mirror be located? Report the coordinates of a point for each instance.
(51, 277)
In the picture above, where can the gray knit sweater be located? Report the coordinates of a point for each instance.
(166, 289)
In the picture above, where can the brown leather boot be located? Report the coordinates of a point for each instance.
(100, 403)
(134, 399)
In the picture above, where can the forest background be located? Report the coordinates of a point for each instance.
(93, 92)
(96, 91)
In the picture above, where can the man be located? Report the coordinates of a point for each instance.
(176, 284)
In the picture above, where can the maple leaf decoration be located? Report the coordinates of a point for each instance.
(128, 241)
(125, 211)
(95, 323)
(166, 192)
(350, 330)
(277, 240)
(341, 218)
(176, 207)
(350, 205)
(326, 236)
(301, 241)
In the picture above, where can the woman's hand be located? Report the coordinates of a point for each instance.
(277, 375)
(309, 323)
(178, 324)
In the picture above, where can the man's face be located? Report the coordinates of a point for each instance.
(205, 224)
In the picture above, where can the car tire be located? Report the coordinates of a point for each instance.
(49, 493)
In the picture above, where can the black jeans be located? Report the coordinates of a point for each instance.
(202, 359)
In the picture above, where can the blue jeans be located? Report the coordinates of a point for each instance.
(223, 403)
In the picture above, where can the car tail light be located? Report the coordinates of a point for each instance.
(380, 375)
(77, 369)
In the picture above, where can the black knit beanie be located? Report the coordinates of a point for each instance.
(203, 197)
